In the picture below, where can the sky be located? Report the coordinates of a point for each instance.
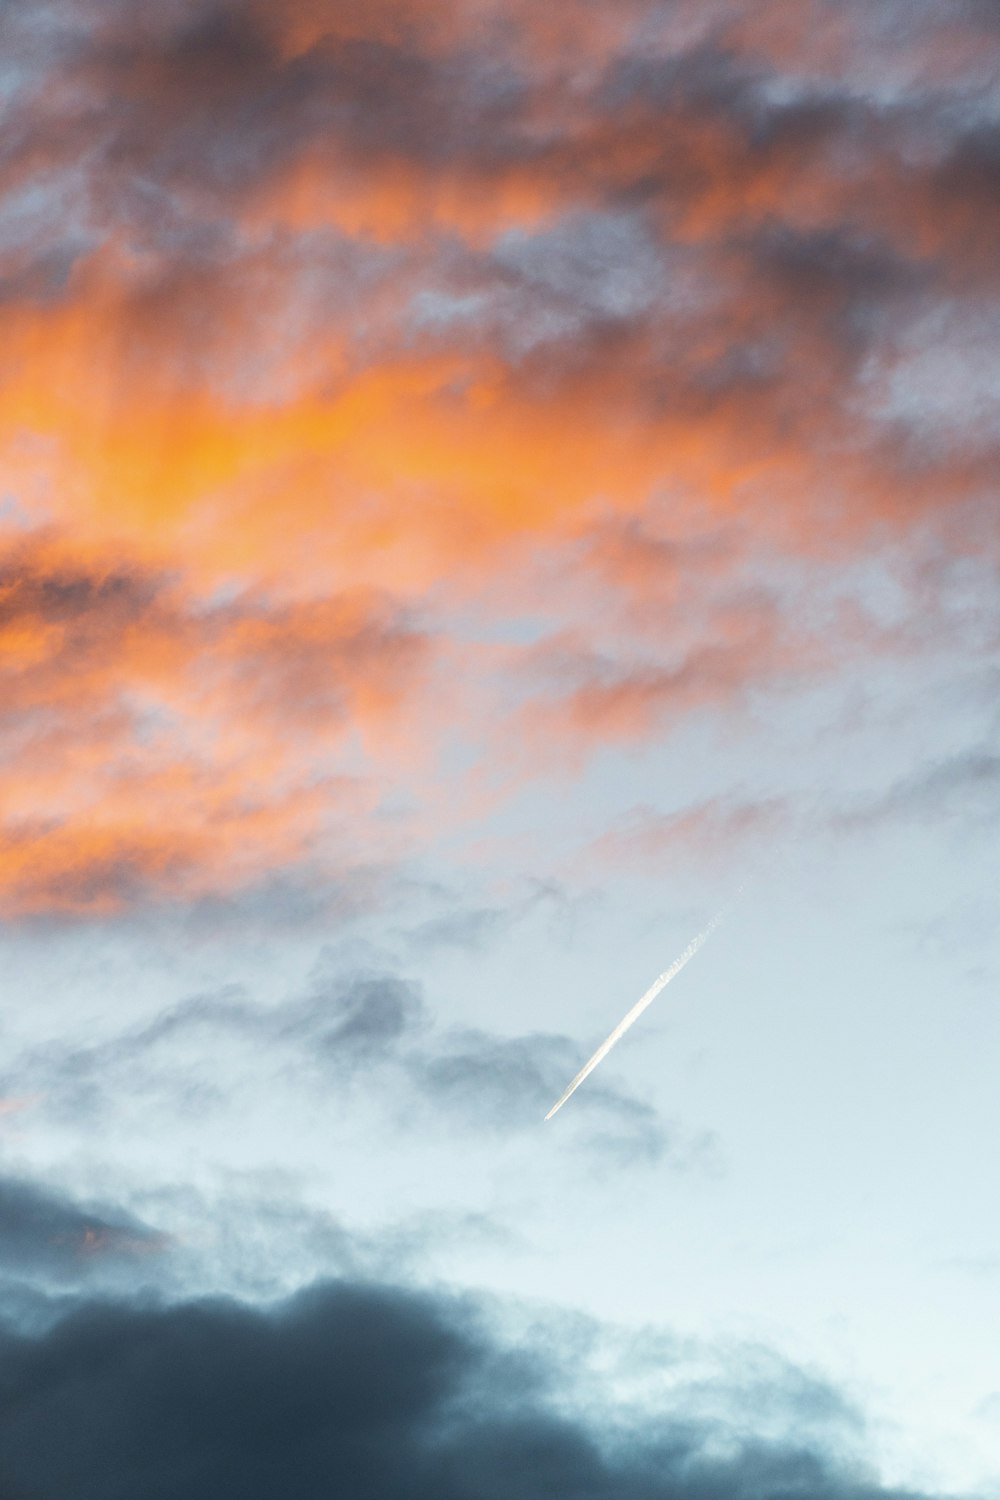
(486, 487)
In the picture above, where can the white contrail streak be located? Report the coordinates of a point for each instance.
(637, 1010)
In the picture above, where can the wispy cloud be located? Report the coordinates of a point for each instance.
(369, 1034)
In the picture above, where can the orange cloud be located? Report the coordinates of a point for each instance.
(361, 316)
(707, 831)
(157, 747)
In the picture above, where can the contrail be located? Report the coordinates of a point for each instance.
(638, 1008)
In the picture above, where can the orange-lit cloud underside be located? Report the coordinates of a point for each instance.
(323, 327)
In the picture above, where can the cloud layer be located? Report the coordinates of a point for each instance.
(371, 1390)
(340, 316)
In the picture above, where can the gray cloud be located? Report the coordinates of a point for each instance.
(590, 285)
(208, 97)
(208, 103)
(367, 1390)
(452, 923)
(965, 785)
(470, 928)
(338, 1028)
(505, 1084)
(964, 788)
(361, 1029)
(46, 1235)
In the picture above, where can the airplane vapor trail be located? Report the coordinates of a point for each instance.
(637, 1010)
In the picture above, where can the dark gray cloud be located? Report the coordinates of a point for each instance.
(362, 1390)
(840, 286)
(211, 98)
(211, 102)
(47, 1236)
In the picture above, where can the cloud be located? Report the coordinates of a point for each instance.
(709, 831)
(368, 1389)
(359, 1031)
(504, 1084)
(452, 923)
(470, 928)
(580, 695)
(965, 786)
(12, 1104)
(368, 320)
(44, 1234)
(339, 1029)
(797, 206)
(159, 747)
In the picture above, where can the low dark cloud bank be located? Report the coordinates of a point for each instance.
(352, 1390)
